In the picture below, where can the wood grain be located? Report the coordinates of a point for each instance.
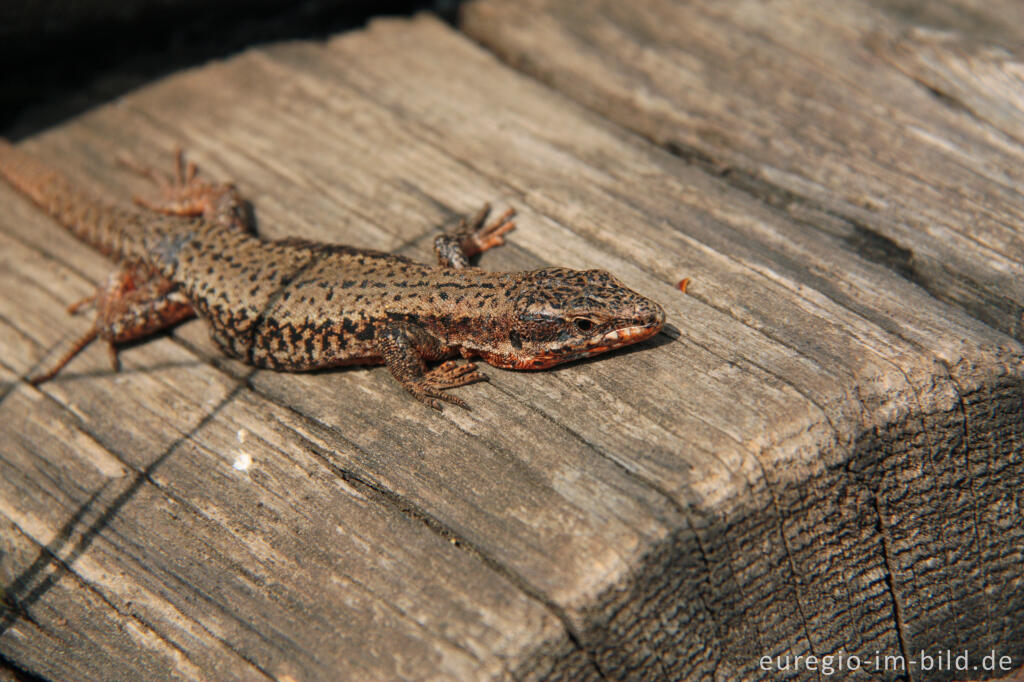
(895, 126)
(818, 454)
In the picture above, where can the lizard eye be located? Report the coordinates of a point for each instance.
(583, 324)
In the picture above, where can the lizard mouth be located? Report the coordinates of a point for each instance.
(627, 335)
(616, 338)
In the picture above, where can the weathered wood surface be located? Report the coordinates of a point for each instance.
(818, 456)
(897, 126)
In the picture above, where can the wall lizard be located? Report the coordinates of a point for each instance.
(296, 305)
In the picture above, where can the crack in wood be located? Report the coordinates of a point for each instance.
(890, 568)
(413, 511)
(51, 554)
(962, 406)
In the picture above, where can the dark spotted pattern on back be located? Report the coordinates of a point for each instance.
(300, 305)
(232, 278)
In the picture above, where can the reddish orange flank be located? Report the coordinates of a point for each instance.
(683, 283)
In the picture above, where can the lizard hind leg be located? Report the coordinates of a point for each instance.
(132, 304)
(455, 248)
(186, 194)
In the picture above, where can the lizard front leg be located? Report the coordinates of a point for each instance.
(404, 347)
(455, 248)
(132, 304)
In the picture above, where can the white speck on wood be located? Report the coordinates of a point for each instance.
(242, 462)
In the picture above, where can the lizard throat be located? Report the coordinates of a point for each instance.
(570, 351)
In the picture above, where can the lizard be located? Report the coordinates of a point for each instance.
(297, 305)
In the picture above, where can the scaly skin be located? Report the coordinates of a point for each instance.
(296, 305)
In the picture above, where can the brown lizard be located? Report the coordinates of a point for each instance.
(296, 305)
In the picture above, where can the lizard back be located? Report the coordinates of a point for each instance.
(299, 305)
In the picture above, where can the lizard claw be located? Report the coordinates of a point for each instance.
(488, 236)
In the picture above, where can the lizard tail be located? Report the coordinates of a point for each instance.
(105, 227)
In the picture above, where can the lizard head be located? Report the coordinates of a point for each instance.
(560, 315)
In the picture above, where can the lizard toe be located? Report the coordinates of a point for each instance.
(184, 193)
(493, 235)
(433, 395)
(454, 400)
(428, 401)
(451, 375)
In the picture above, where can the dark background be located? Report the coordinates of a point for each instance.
(62, 57)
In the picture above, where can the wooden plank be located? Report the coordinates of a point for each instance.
(817, 455)
(220, 569)
(823, 109)
(205, 565)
